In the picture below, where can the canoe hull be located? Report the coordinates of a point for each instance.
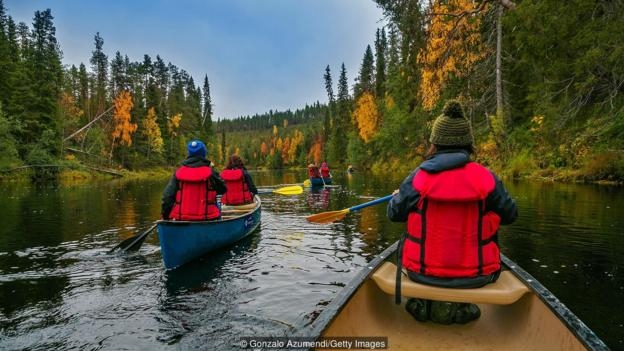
(536, 321)
(319, 181)
(184, 241)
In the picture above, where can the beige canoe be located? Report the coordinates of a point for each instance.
(517, 313)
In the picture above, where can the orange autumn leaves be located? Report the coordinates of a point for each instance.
(288, 146)
(453, 47)
(123, 128)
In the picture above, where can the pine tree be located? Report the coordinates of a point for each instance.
(207, 110)
(20, 93)
(117, 75)
(5, 59)
(9, 157)
(408, 18)
(330, 104)
(394, 68)
(161, 86)
(365, 80)
(341, 127)
(193, 107)
(381, 48)
(99, 64)
(44, 62)
(83, 92)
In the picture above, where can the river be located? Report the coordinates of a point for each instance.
(60, 289)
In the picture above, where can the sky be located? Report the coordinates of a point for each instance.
(259, 55)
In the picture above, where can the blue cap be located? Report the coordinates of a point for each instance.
(196, 148)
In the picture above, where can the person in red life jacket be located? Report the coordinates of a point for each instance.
(240, 186)
(313, 171)
(325, 170)
(191, 194)
(453, 208)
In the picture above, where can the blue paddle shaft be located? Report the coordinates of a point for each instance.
(370, 203)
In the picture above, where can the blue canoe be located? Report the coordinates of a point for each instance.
(320, 181)
(184, 241)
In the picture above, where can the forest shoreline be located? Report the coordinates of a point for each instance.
(73, 177)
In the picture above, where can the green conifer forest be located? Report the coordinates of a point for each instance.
(541, 82)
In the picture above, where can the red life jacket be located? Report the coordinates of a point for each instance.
(195, 198)
(313, 172)
(325, 172)
(237, 189)
(450, 235)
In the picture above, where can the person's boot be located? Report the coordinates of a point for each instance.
(467, 312)
(443, 312)
(418, 308)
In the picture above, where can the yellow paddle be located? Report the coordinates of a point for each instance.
(332, 216)
(307, 183)
(287, 190)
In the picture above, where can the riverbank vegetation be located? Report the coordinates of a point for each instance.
(541, 82)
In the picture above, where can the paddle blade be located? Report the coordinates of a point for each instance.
(307, 183)
(289, 190)
(327, 217)
(133, 243)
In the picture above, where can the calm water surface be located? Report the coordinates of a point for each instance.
(59, 289)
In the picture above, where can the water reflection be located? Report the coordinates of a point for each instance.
(318, 199)
(198, 275)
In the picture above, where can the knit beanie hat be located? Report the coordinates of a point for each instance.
(196, 148)
(451, 128)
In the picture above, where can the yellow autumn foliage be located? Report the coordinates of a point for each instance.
(366, 116)
(295, 141)
(173, 124)
(151, 130)
(454, 45)
(123, 128)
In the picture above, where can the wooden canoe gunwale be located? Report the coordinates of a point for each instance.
(582, 333)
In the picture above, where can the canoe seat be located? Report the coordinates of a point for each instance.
(506, 290)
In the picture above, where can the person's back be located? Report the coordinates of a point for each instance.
(325, 170)
(313, 171)
(453, 227)
(240, 187)
(191, 193)
(453, 208)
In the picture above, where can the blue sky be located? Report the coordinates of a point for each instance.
(258, 54)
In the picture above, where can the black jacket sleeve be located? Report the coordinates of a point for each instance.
(406, 200)
(250, 183)
(217, 183)
(501, 203)
(168, 198)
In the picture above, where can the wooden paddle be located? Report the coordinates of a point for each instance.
(287, 190)
(133, 243)
(332, 216)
